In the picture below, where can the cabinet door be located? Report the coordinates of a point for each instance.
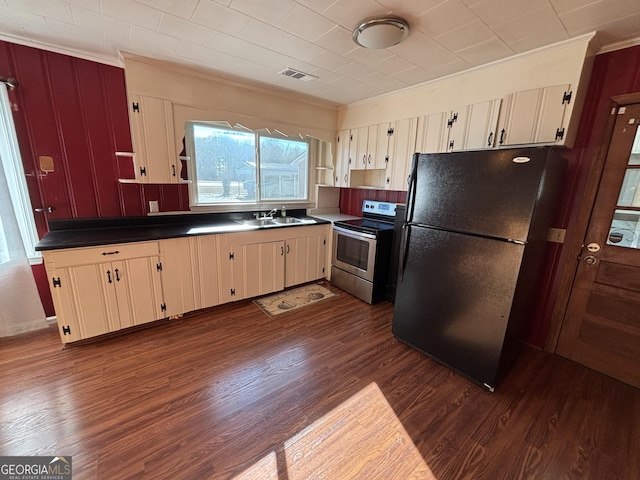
(534, 116)
(305, 259)
(458, 124)
(432, 133)
(342, 163)
(83, 306)
(179, 279)
(473, 127)
(404, 146)
(384, 136)
(205, 261)
(482, 125)
(154, 144)
(138, 290)
(360, 138)
(263, 268)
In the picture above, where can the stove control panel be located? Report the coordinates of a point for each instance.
(379, 208)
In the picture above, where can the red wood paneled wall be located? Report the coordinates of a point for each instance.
(614, 73)
(75, 111)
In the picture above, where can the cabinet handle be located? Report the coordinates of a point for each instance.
(502, 132)
(287, 249)
(364, 159)
(44, 209)
(173, 168)
(115, 252)
(109, 276)
(117, 276)
(346, 179)
(386, 160)
(369, 159)
(490, 139)
(281, 250)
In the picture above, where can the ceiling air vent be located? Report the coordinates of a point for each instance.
(298, 75)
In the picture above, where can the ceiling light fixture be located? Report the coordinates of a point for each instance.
(381, 32)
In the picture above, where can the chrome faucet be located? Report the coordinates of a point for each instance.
(270, 214)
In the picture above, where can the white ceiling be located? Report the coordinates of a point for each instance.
(256, 39)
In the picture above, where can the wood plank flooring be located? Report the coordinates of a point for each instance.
(208, 395)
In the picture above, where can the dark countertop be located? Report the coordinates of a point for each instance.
(87, 232)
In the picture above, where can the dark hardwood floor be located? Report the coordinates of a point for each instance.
(207, 395)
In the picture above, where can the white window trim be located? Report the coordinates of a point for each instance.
(243, 207)
(16, 180)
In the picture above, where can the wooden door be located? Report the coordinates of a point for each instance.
(601, 328)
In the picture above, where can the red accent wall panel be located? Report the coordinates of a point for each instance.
(614, 73)
(351, 198)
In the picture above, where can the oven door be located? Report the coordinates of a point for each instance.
(354, 252)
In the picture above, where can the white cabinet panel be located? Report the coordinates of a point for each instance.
(154, 144)
(535, 116)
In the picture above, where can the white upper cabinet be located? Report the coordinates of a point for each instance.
(433, 133)
(535, 116)
(469, 127)
(473, 127)
(156, 156)
(343, 158)
(402, 146)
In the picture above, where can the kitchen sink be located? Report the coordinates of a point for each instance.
(258, 222)
(287, 220)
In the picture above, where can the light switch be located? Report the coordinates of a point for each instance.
(153, 206)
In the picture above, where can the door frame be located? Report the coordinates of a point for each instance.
(576, 241)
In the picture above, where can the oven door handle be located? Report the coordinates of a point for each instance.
(354, 234)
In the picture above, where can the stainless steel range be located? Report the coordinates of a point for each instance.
(362, 250)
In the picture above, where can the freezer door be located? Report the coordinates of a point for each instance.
(482, 192)
(454, 298)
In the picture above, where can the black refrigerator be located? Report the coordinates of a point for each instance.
(472, 246)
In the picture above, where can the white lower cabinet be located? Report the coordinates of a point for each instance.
(305, 259)
(97, 290)
(259, 263)
(92, 296)
(190, 273)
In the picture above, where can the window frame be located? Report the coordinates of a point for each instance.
(259, 203)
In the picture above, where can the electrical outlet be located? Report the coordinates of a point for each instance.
(153, 206)
(556, 235)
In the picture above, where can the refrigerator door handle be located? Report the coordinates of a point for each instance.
(411, 196)
(404, 248)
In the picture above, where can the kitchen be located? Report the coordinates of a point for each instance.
(104, 197)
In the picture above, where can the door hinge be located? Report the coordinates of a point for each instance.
(232, 256)
(560, 134)
(143, 171)
(390, 132)
(322, 269)
(566, 98)
(66, 330)
(163, 307)
(136, 107)
(451, 144)
(57, 282)
(233, 292)
(159, 266)
(452, 120)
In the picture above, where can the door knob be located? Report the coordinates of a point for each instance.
(590, 260)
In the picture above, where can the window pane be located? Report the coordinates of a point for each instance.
(284, 166)
(225, 165)
(630, 191)
(625, 229)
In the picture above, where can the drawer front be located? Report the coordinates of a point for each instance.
(105, 253)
